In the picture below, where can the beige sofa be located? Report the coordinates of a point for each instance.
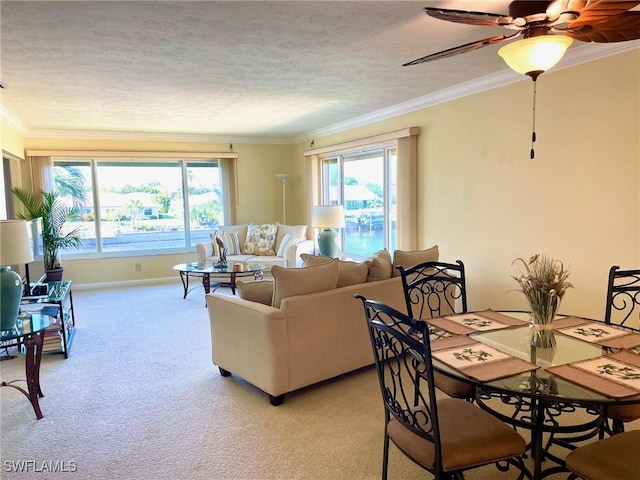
(271, 244)
(313, 331)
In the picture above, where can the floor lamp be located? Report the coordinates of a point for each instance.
(284, 177)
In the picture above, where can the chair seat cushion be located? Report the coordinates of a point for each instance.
(614, 458)
(489, 441)
(626, 413)
(452, 387)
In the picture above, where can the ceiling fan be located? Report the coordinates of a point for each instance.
(547, 29)
(556, 22)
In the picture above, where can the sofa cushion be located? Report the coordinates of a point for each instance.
(408, 259)
(261, 239)
(299, 231)
(287, 241)
(350, 273)
(380, 267)
(289, 282)
(259, 291)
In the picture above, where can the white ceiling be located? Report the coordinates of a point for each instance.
(266, 70)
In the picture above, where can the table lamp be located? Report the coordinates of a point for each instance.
(15, 249)
(327, 218)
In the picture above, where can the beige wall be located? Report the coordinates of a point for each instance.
(482, 200)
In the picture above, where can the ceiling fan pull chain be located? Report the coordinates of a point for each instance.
(533, 127)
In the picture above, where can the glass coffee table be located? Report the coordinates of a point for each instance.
(221, 275)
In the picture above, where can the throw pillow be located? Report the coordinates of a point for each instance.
(408, 259)
(261, 240)
(299, 231)
(289, 282)
(308, 259)
(350, 273)
(241, 230)
(287, 241)
(380, 267)
(232, 242)
(259, 291)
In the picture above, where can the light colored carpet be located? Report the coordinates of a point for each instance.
(139, 398)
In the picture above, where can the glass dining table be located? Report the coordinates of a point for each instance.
(560, 395)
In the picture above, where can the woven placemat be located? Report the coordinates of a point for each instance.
(474, 322)
(480, 361)
(597, 332)
(604, 374)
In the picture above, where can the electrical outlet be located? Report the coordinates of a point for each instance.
(138, 267)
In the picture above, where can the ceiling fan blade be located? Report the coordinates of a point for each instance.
(615, 29)
(482, 19)
(467, 47)
(605, 21)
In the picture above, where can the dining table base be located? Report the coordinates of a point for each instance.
(542, 419)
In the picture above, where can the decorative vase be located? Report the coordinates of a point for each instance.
(543, 311)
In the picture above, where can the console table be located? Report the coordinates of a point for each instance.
(58, 304)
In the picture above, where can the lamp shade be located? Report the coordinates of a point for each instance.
(328, 216)
(15, 249)
(535, 55)
(15, 244)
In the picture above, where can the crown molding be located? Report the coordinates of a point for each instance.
(12, 121)
(575, 56)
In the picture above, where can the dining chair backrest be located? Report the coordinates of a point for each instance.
(402, 359)
(623, 298)
(433, 289)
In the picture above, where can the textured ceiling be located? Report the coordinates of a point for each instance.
(231, 68)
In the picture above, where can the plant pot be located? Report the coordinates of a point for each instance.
(54, 275)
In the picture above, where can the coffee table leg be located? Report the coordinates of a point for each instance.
(206, 283)
(184, 276)
(233, 283)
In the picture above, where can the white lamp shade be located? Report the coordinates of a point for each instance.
(15, 246)
(328, 216)
(535, 54)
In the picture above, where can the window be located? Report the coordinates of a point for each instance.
(364, 182)
(133, 205)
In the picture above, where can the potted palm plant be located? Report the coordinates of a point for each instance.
(54, 214)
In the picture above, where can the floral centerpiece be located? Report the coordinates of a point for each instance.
(544, 283)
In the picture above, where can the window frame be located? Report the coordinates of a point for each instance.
(226, 163)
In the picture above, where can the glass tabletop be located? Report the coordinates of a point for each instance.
(26, 324)
(212, 268)
(539, 383)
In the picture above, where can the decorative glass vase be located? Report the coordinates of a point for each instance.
(543, 311)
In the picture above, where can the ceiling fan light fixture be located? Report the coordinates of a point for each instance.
(535, 55)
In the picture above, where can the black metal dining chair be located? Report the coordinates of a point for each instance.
(447, 436)
(433, 289)
(614, 458)
(622, 308)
